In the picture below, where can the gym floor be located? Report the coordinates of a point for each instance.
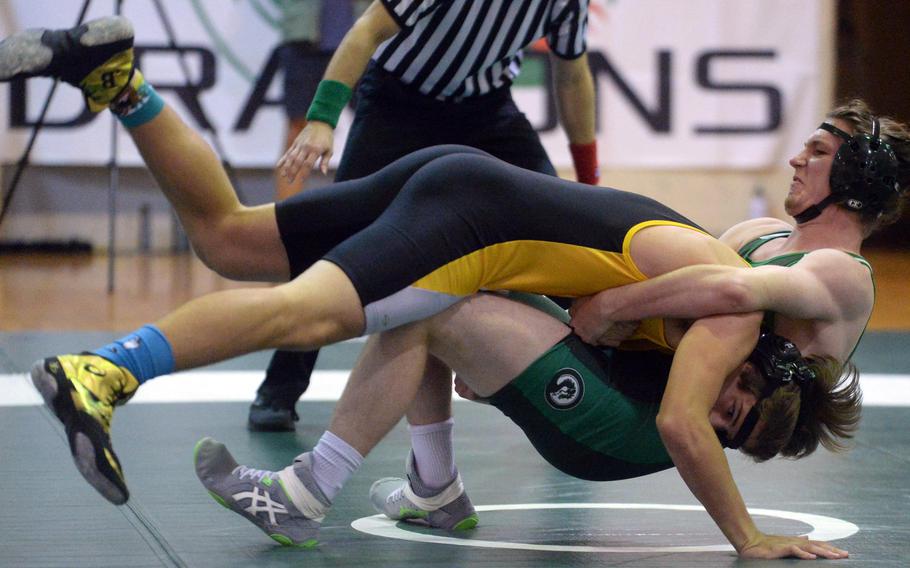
(530, 514)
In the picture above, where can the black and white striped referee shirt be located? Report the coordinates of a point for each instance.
(455, 49)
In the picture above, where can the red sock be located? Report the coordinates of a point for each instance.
(584, 158)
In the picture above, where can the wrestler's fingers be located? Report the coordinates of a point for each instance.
(797, 551)
(826, 550)
(324, 163)
(583, 333)
(578, 304)
(608, 340)
(617, 332)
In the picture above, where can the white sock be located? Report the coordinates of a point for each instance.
(334, 461)
(434, 454)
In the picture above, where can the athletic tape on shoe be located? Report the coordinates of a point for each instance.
(307, 503)
(441, 499)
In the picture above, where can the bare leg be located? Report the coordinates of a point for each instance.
(432, 428)
(382, 385)
(433, 402)
(488, 340)
(317, 308)
(237, 241)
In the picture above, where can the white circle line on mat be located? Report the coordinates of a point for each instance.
(823, 528)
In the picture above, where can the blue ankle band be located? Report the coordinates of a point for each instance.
(146, 353)
(145, 109)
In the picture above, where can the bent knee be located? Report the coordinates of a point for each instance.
(242, 247)
(318, 311)
(219, 253)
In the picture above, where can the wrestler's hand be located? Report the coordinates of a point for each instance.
(770, 546)
(313, 145)
(594, 327)
(465, 392)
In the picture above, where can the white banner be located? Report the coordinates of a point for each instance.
(682, 84)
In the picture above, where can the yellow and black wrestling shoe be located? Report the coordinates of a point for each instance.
(82, 391)
(96, 57)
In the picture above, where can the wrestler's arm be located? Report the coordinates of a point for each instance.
(710, 351)
(826, 285)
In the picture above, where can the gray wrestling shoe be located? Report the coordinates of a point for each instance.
(287, 505)
(410, 500)
(96, 57)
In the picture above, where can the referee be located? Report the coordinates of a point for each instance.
(435, 72)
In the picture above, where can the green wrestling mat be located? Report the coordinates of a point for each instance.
(535, 516)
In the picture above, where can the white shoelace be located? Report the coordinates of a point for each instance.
(396, 496)
(243, 471)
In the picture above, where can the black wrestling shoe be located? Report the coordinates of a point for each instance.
(82, 391)
(96, 57)
(286, 379)
(272, 415)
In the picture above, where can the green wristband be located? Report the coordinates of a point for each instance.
(331, 96)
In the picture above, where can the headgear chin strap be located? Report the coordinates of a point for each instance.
(780, 363)
(863, 173)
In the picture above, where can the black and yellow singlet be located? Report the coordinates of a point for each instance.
(457, 221)
(446, 222)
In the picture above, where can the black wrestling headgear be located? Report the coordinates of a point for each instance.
(780, 363)
(863, 173)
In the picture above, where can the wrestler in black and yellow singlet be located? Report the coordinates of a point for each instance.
(459, 221)
(446, 222)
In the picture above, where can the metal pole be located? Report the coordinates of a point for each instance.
(23, 161)
(113, 187)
